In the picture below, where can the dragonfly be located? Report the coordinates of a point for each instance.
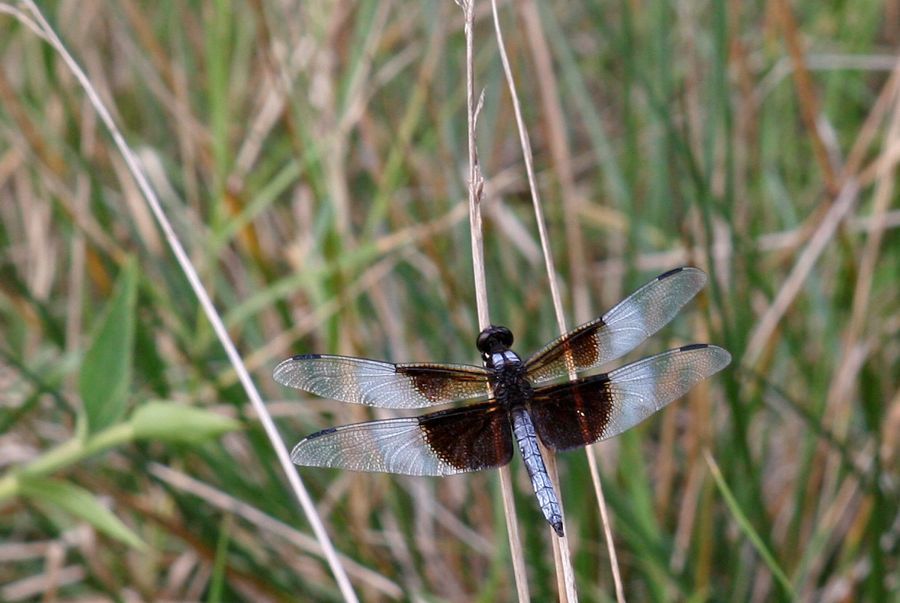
(512, 403)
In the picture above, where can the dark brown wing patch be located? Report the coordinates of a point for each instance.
(572, 415)
(439, 384)
(576, 350)
(471, 438)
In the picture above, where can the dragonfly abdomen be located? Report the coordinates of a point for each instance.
(523, 429)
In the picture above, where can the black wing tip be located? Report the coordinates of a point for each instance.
(669, 273)
(702, 346)
(319, 434)
(694, 346)
(297, 456)
(284, 364)
(721, 356)
(678, 270)
(558, 528)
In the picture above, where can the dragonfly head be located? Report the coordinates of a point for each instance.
(494, 340)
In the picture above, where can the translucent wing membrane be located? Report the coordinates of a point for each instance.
(620, 330)
(382, 384)
(441, 443)
(571, 415)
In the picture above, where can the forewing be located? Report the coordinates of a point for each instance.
(620, 330)
(575, 414)
(382, 384)
(441, 443)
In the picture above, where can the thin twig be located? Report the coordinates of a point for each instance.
(568, 581)
(23, 19)
(561, 558)
(476, 182)
(476, 188)
(558, 142)
(207, 305)
(559, 147)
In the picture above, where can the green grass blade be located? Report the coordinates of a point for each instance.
(217, 580)
(106, 371)
(745, 526)
(80, 503)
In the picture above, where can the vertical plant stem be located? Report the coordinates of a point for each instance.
(206, 303)
(476, 183)
(607, 526)
(568, 581)
(476, 187)
(558, 142)
(564, 574)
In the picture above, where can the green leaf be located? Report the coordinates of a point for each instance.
(173, 422)
(106, 369)
(80, 503)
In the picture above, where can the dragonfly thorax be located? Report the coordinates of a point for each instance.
(511, 387)
(501, 360)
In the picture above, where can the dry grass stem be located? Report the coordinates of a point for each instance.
(561, 556)
(476, 190)
(208, 307)
(565, 576)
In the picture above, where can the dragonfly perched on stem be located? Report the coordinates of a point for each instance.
(513, 400)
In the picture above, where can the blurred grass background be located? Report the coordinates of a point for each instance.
(312, 157)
